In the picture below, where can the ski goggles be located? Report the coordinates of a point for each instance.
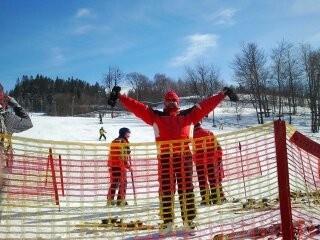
(171, 104)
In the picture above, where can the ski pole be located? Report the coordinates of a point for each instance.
(244, 183)
(133, 187)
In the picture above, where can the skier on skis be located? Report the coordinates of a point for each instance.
(102, 134)
(208, 161)
(118, 165)
(100, 118)
(10, 122)
(175, 158)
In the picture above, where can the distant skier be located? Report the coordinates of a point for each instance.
(175, 159)
(102, 134)
(118, 164)
(208, 161)
(10, 122)
(100, 118)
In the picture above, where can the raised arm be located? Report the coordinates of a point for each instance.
(139, 109)
(207, 105)
(19, 121)
(203, 108)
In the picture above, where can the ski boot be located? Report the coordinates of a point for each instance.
(189, 225)
(122, 203)
(111, 203)
(217, 196)
(165, 228)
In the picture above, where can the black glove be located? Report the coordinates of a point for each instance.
(114, 95)
(231, 94)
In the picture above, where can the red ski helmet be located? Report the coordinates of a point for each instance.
(171, 96)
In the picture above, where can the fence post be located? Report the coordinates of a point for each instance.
(54, 181)
(283, 179)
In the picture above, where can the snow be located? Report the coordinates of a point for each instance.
(86, 129)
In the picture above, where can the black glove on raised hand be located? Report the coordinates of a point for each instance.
(114, 95)
(231, 94)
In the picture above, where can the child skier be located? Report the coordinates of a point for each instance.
(118, 164)
(102, 134)
(208, 161)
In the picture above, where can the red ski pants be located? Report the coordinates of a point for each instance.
(171, 170)
(118, 180)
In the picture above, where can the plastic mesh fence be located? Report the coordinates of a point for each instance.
(62, 193)
(304, 175)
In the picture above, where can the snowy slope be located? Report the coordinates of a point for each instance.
(87, 129)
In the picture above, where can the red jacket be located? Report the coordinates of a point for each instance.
(207, 148)
(178, 126)
(119, 153)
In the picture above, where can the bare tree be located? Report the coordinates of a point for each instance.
(278, 73)
(183, 88)
(203, 80)
(286, 72)
(251, 73)
(161, 84)
(215, 83)
(112, 78)
(311, 63)
(140, 84)
(293, 74)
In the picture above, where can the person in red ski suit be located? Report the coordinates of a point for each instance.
(174, 157)
(118, 165)
(208, 160)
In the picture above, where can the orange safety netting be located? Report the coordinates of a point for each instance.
(58, 190)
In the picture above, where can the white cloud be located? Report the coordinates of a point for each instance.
(83, 29)
(83, 12)
(89, 28)
(304, 7)
(224, 16)
(198, 46)
(58, 57)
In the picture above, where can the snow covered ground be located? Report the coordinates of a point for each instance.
(87, 129)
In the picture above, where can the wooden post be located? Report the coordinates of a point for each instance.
(283, 179)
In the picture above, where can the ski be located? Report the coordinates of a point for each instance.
(119, 224)
(250, 206)
(178, 232)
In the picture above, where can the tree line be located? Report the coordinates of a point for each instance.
(287, 77)
(58, 97)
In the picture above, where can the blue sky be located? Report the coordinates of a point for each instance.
(83, 38)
